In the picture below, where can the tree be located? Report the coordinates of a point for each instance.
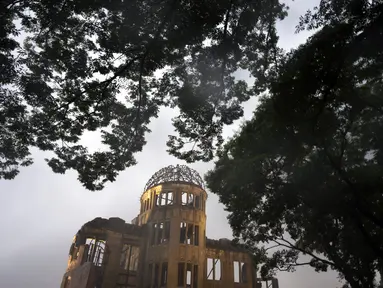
(305, 174)
(94, 65)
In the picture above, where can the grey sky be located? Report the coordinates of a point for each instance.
(41, 211)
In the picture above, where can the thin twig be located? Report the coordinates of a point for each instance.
(292, 246)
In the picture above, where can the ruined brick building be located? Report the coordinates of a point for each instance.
(164, 246)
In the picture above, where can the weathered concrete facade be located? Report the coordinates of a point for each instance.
(164, 246)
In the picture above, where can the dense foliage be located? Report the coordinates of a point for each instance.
(306, 173)
(109, 66)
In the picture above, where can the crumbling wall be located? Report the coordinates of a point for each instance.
(227, 265)
(95, 256)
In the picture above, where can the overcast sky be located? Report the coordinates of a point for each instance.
(41, 211)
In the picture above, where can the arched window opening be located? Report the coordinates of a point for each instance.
(129, 257)
(95, 251)
(164, 199)
(187, 275)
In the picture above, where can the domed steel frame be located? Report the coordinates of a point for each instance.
(179, 173)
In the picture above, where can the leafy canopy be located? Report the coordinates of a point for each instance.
(305, 174)
(109, 66)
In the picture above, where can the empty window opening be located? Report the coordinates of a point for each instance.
(96, 251)
(129, 257)
(169, 198)
(166, 234)
(160, 233)
(187, 199)
(184, 198)
(203, 205)
(217, 269)
(181, 274)
(188, 275)
(163, 199)
(150, 273)
(99, 253)
(151, 199)
(210, 269)
(236, 272)
(243, 273)
(197, 202)
(160, 230)
(154, 232)
(190, 232)
(183, 232)
(196, 235)
(213, 269)
(156, 274)
(191, 200)
(188, 278)
(195, 276)
(164, 274)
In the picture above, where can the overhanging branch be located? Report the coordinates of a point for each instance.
(289, 245)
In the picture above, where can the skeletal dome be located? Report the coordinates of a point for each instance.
(179, 173)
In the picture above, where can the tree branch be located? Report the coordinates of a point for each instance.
(357, 201)
(376, 248)
(292, 265)
(9, 6)
(292, 246)
(274, 246)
